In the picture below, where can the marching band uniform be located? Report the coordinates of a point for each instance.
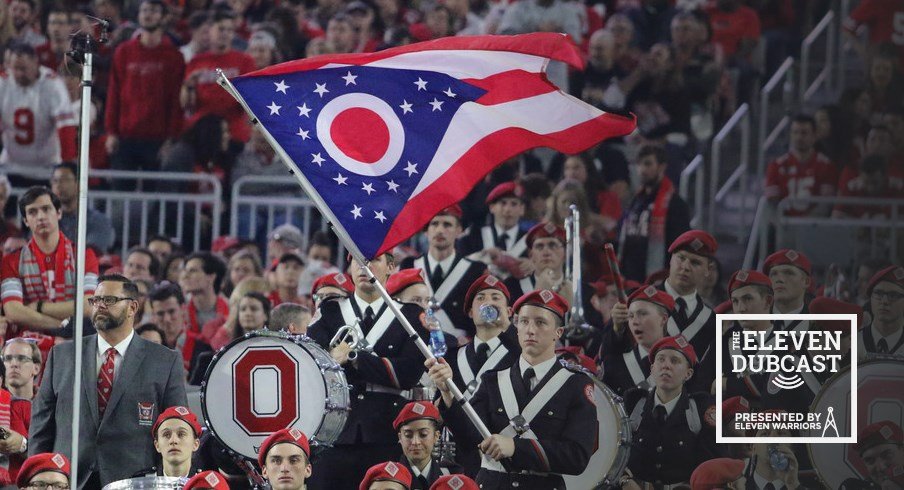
(871, 340)
(747, 385)
(455, 482)
(376, 380)
(553, 424)
(208, 479)
(185, 415)
(875, 434)
(387, 471)
(799, 260)
(423, 479)
(511, 241)
(666, 450)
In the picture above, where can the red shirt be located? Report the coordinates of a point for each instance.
(856, 187)
(787, 177)
(154, 75)
(729, 28)
(211, 98)
(881, 17)
(47, 57)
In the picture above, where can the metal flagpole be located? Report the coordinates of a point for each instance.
(356, 253)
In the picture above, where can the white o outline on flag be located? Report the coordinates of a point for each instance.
(363, 101)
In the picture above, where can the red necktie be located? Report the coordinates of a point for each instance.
(105, 380)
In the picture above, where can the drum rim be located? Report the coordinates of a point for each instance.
(870, 360)
(169, 481)
(624, 439)
(263, 332)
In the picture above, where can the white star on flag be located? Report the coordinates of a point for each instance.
(393, 186)
(411, 168)
(304, 111)
(303, 134)
(317, 159)
(406, 107)
(437, 105)
(368, 188)
(281, 86)
(421, 84)
(350, 79)
(274, 109)
(450, 93)
(356, 211)
(321, 89)
(379, 215)
(340, 179)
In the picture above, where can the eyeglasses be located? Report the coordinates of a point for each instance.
(20, 359)
(890, 296)
(107, 300)
(43, 485)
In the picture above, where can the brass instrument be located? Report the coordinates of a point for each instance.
(353, 337)
(576, 328)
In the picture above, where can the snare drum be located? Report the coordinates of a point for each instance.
(267, 381)
(609, 461)
(880, 396)
(148, 483)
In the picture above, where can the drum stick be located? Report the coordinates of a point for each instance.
(616, 273)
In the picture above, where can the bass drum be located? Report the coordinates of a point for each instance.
(147, 483)
(610, 459)
(267, 381)
(880, 396)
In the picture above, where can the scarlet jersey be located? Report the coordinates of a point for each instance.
(856, 187)
(212, 99)
(31, 119)
(787, 177)
(883, 18)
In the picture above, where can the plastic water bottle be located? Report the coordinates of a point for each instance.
(777, 459)
(489, 313)
(437, 338)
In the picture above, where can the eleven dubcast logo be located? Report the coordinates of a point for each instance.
(787, 360)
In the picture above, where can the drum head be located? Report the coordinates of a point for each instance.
(880, 396)
(610, 459)
(147, 482)
(263, 383)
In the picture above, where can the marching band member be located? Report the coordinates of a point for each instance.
(386, 476)
(376, 377)
(449, 274)
(177, 435)
(331, 286)
(880, 446)
(455, 482)
(409, 286)
(886, 297)
(763, 475)
(674, 430)
(207, 480)
(648, 315)
(750, 293)
(418, 426)
(49, 471)
(501, 240)
(541, 415)
(285, 460)
(494, 346)
(719, 473)
(789, 271)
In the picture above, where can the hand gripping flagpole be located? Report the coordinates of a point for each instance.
(356, 253)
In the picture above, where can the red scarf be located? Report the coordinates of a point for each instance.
(41, 282)
(656, 245)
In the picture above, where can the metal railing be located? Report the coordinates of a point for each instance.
(177, 214)
(284, 201)
(759, 235)
(741, 118)
(695, 171)
(824, 78)
(784, 78)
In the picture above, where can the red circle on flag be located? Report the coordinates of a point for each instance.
(361, 134)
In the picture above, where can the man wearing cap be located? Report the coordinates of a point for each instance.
(126, 381)
(283, 239)
(648, 314)
(286, 277)
(751, 293)
(674, 430)
(418, 426)
(541, 415)
(176, 435)
(376, 378)
(789, 271)
(880, 446)
(494, 346)
(44, 469)
(285, 460)
(655, 217)
(449, 274)
(386, 476)
(500, 242)
(886, 299)
(409, 286)
(332, 286)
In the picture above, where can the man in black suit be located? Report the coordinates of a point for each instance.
(376, 378)
(449, 274)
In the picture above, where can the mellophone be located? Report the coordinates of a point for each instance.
(266, 381)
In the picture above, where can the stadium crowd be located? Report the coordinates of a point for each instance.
(681, 66)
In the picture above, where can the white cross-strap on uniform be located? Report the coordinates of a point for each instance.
(471, 380)
(526, 416)
(441, 293)
(635, 370)
(376, 332)
(694, 327)
(692, 414)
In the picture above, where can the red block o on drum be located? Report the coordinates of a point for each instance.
(265, 388)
